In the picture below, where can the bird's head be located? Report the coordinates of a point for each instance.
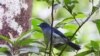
(44, 25)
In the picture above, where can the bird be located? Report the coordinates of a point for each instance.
(57, 36)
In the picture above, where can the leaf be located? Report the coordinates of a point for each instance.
(97, 22)
(3, 49)
(70, 1)
(80, 15)
(75, 1)
(64, 21)
(70, 4)
(35, 22)
(84, 53)
(67, 1)
(25, 42)
(6, 39)
(88, 45)
(37, 35)
(95, 45)
(23, 36)
(71, 27)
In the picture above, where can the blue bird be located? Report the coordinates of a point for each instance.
(57, 36)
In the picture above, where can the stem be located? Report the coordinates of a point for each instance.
(69, 12)
(76, 20)
(62, 50)
(50, 54)
(82, 25)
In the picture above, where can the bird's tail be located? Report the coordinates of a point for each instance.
(77, 47)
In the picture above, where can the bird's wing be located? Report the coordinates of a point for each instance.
(57, 39)
(59, 33)
(65, 40)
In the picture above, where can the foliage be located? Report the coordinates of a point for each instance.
(19, 45)
(97, 22)
(70, 18)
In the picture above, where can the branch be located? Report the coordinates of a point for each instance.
(69, 12)
(50, 54)
(82, 24)
(62, 50)
(73, 16)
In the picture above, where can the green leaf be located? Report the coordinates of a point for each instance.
(67, 1)
(24, 35)
(80, 15)
(6, 39)
(64, 21)
(3, 49)
(75, 1)
(88, 45)
(37, 35)
(84, 53)
(35, 22)
(95, 45)
(69, 19)
(25, 42)
(70, 4)
(71, 27)
(70, 1)
(97, 22)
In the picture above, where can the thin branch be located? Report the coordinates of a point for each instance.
(69, 12)
(62, 51)
(73, 16)
(50, 51)
(76, 20)
(82, 24)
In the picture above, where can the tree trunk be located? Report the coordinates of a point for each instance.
(14, 17)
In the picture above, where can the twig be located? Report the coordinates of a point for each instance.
(50, 54)
(76, 20)
(69, 12)
(82, 25)
(62, 51)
